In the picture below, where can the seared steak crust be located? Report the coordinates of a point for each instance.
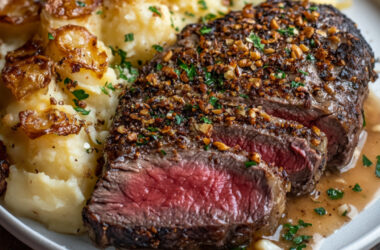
(4, 168)
(116, 215)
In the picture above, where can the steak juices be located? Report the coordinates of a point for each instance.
(197, 155)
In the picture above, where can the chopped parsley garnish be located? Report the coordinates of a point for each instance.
(297, 240)
(295, 84)
(310, 57)
(178, 119)
(141, 140)
(366, 161)
(189, 69)
(203, 4)
(207, 147)
(155, 10)
(253, 38)
(249, 164)
(50, 36)
(320, 210)
(287, 51)
(205, 30)
(106, 86)
(280, 74)
(334, 194)
(158, 48)
(364, 121)
(313, 8)
(99, 12)
(377, 171)
(129, 37)
(345, 213)
(286, 32)
(357, 188)
(125, 69)
(159, 66)
(240, 248)
(303, 72)
(82, 110)
(80, 94)
(215, 102)
(80, 3)
(163, 152)
(206, 120)
(67, 81)
(189, 14)
(244, 96)
(208, 17)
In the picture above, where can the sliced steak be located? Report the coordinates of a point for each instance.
(185, 201)
(4, 168)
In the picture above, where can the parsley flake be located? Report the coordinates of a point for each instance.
(82, 110)
(80, 3)
(80, 94)
(206, 120)
(129, 37)
(189, 69)
(320, 210)
(155, 10)
(249, 164)
(280, 74)
(158, 48)
(205, 30)
(334, 194)
(215, 102)
(366, 161)
(203, 4)
(178, 119)
(377, 170)
(253, 38)
(357, 188)
(295, 84)
(303, 72)
(286, 32)
(50, 36)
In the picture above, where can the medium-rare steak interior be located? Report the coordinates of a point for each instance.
(197, 198)
(203, 115)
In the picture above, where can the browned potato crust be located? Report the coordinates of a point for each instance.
(51, 121)
(20, 11)
(75, 48)
(27, 75)
(71, 9)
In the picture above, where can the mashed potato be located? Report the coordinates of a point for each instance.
(54, 120)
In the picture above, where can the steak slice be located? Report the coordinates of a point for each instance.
(4, 168)
(190, 200)
(306, 64)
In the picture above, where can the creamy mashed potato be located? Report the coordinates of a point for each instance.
(54, 170)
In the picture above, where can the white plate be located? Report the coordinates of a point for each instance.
(361, 233)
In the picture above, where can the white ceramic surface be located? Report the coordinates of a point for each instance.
(361, 233)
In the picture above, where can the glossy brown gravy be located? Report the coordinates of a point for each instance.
(303, 207)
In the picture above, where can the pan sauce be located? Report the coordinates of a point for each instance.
(303, 207)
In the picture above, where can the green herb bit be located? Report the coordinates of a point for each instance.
(129, 37)
(377, 171)
(295, 84)
(189, 14)
(159, 66)
(207, 147)
(67, 81)
(80, 94)
(301, 223)
(345, 213)
(203, 4)
(50, 36)
(80, 3)
(158, 48)
(99, 12)
(206, 120)
(300, 239)
(205, 30)
(249, 164)
(253, 38)
(189, 69)
(310, 57)
(280, 74)
(178, 119)
(82, 110)
(357, 188)
(103, 89)
(215, 102)
(303, 72)
(313, 8)
(155, 10)
(286, 32)
(366, 161)
(208, 17)
(320, 210)
(163, 152)
(335, 194)
(364, 121)
(244, 96)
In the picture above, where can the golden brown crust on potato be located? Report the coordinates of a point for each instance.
(4, 168)
(51, 121)
(71, 9)
(31, 48)
(20, 11)
(75, 48)
(27, 75)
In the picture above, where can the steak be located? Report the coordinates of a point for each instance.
(4, 168)
(188, 200)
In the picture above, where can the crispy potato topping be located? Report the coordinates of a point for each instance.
(4, 168)
(71, 9)
(75, 48)
(25, 76)
(51, 121)
(19, 11)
